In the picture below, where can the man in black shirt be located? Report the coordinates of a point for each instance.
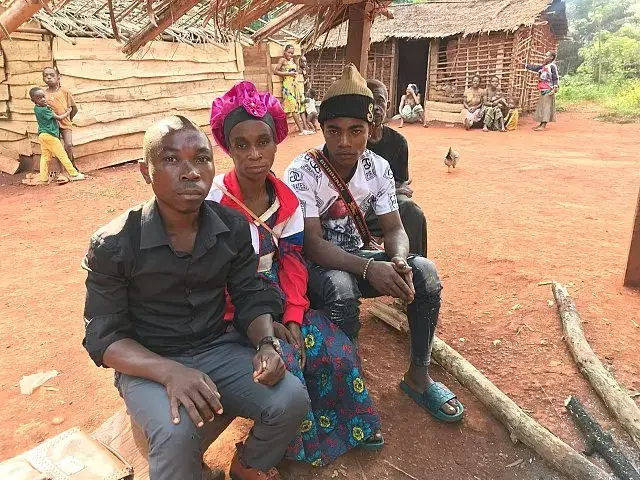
(392, 146)
(154, 309)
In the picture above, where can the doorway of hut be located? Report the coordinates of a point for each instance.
(412, 67)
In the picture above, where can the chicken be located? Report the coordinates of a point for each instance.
(451, 159)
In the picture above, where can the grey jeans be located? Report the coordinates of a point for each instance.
(413, 220)
(175, 451)
(338, 294)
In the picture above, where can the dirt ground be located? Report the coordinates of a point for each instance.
(521, 208)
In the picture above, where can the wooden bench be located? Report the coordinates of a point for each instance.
(123, 436)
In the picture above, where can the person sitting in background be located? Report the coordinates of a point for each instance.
(315, 349)
(548, 86)
(511, 120)
(410, 109)
(494, 104)
(311, 110)
(336, 184)
(157, 279)
(393, 147)
(473, 111)
(49, 138)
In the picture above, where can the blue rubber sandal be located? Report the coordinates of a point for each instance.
(372, 445)
(432, 399)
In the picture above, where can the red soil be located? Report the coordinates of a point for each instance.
(519, 209)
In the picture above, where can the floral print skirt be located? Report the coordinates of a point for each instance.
(342, 413)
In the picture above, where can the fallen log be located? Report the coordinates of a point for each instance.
(614, 396)
(600, 441)
(521, 426)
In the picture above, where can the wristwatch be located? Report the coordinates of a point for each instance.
(270, 341)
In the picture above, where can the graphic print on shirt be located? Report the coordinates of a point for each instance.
(338, 227)
(369, 185)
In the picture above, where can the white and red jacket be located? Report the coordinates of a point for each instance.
(289, 226)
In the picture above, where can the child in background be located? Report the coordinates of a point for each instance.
(49, 137)
(60, 99)
(511, 120)
(311, 111)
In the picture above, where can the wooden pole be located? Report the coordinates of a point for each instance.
(172, 13)
(615, 397)
(359, 36)
(632, 276)
(522, 427)
(18, 13)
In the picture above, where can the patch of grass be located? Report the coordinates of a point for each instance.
(620, 100)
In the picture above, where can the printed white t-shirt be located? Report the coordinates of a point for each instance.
(372, 185)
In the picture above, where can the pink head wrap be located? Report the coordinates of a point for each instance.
(244, 102)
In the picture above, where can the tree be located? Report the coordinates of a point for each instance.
(588, 18)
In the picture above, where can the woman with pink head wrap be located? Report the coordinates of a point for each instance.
(249, 125)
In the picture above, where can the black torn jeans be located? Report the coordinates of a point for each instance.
(338, 294)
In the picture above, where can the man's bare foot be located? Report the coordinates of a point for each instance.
(485, 129)
(425, 125)
(539, 129)
(401, 124)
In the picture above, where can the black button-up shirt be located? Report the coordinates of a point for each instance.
(171, 302)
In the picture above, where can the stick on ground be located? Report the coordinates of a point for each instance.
(614, 396)
(522, 427)
(599, 441)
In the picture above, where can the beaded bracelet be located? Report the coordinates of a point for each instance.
(366, 267)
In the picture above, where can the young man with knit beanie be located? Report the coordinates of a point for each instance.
(336, 184)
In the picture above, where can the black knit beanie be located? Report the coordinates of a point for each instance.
(347, 97)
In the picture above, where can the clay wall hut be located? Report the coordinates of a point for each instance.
(118, 97)
(441, 45)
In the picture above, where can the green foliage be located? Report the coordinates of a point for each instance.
(620, 101)
(586, 19)
(614, 57)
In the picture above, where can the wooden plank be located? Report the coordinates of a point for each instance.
(104, 50)
(97, 161)
(18, 66)
(154, 91)
(31, 37)
(20, 105)
(26, 50)
(632, 274)
(82, 85)
(9, 164)
(116, 70)
(18, 147)
(13, 126)
(99, 131)
(444, 107)
(120, 142)
(231, 75)
(4, 92)
(239, 57)
(123, 436)
(18, 91)
(105, 112)
(9, 136)
(446, 117)
(32, 79)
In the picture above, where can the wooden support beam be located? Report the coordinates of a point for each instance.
(173, 12)
(18, 13)
(632, 275)
(359, 36)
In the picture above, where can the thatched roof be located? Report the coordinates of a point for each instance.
(437, 19)
(137, 22)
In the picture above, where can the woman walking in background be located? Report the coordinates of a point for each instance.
(291, 95)
(548, 86)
